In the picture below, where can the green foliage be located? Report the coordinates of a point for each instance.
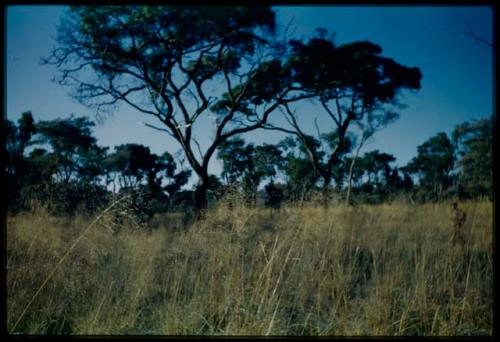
(132, 163)
(355, 86)
(67, 171)
(216, 190)
(158, 34)
(357, 67)
(433, 165)
(69, 140)
(151, 179)
(375, 180)
(17, 167)
(59, 164)
(234, 157)
(376, 166)
(68, 174)
(474, 147)
(274, 195)
(159, 59)
(298, 169)
(268, 82)
(248, 164)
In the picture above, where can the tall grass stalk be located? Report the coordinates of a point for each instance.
(61, 260)
(385, 270)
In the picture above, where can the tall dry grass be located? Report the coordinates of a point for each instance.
(390, 269)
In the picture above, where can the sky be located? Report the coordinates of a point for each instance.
(457, 83)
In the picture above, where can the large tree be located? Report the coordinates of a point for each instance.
(354, 86)
(177, 65)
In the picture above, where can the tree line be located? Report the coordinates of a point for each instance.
(232, 70)
(59, 163)
(230, 66)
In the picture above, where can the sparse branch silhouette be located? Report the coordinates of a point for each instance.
(353, 84)
(158, 59)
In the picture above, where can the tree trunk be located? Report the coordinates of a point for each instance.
(351, 168)
(200, 197)
(349, 183)
(325, 193)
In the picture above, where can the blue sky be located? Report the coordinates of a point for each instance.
(457, 82)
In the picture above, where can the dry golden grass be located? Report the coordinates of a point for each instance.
(391, 269)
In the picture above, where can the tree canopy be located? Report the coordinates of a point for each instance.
(60, 164)
(433, 164)
(222, 72)
(474, 152)
(353, 84)
(161, 60)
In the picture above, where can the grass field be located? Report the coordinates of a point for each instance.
(391, 269)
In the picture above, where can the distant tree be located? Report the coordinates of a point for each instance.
(398, 182)
(367, 132)
(63, 167)
(234, 155)
(175, 181)
(329, 142)
(268, 159)
(90, 169)
(163, 61)
(273, 196)
(377, 167)
(216, 189)
(69, 140)
(19, 137)
(300, 175)
(474, 146)
(131, 164)
(433, 165)
(265, 161)
(380, 178)
(356, 172)
(66, 169)
(17, 168)
(353, 84)
(39, 182)
(248, 164)
(152, 179)
(69, 163)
